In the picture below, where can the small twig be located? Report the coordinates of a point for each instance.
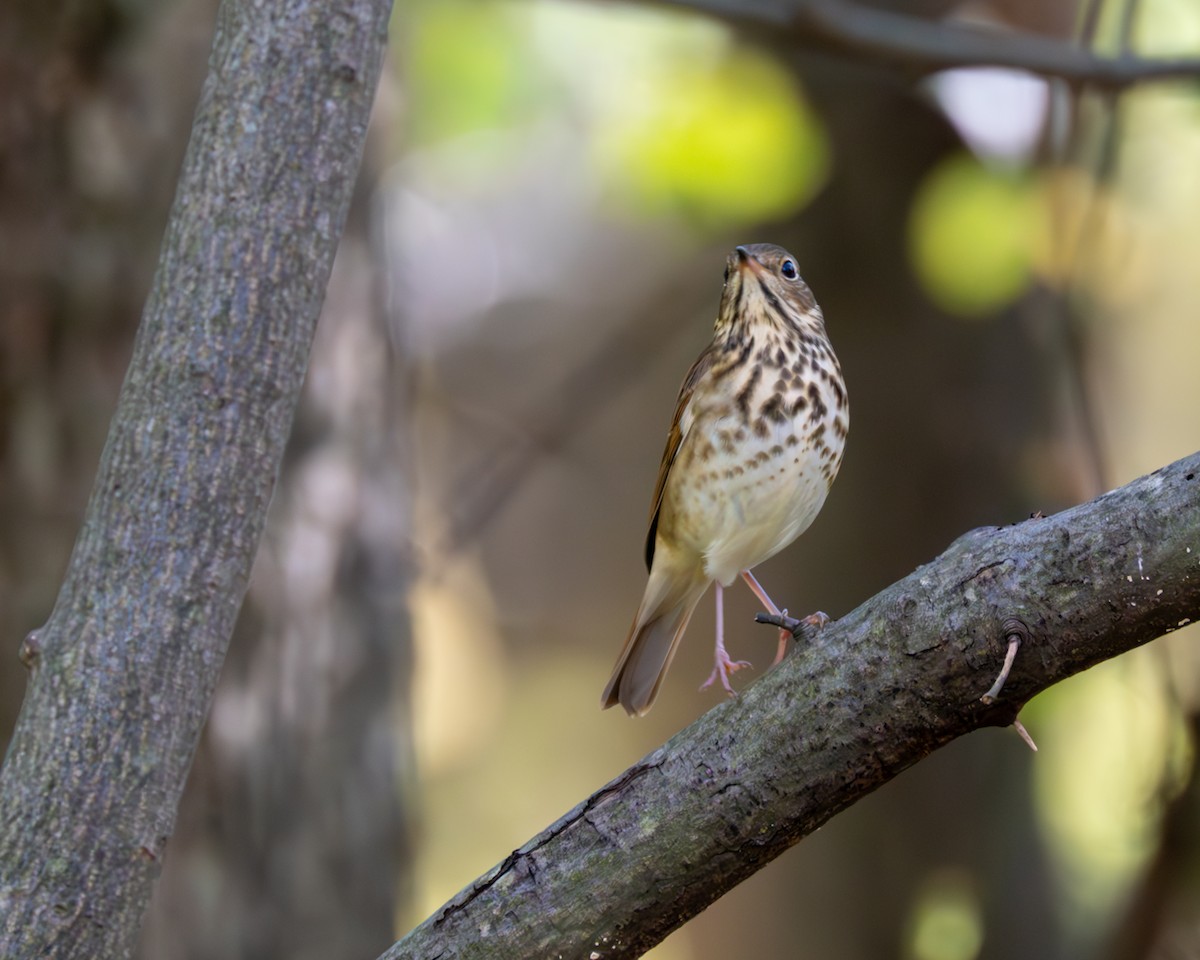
(781, 620)
(1014, 632)
(802, 629)
(1024, 734)
(1014, 644)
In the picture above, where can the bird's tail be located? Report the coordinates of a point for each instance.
(663, 616)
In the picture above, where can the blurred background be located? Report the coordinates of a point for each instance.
(1008, 272)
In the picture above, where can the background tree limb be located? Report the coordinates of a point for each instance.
(889, 683)
(882, 36)
(122, 672)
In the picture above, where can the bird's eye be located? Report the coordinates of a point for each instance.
(789, 271)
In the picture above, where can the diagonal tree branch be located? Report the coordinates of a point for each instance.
(889, 683)
(122, 673)
(881, 36)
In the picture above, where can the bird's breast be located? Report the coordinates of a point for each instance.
(758, 459)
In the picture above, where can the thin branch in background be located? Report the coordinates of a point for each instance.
(1107, 155)
(1091, 231)
(882, 36)
(1148, 919)
(1064, 319)
(496, 475)
(1089, 23)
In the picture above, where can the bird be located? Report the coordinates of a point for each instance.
(759, 431)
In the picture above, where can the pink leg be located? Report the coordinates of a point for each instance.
(817, 619)
(724, 666)
(784, 635)
(759, 592)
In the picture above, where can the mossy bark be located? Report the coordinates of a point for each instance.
(122, 672)
(885, 686)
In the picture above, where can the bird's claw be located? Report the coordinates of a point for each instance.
(816, 620)
(721, 670)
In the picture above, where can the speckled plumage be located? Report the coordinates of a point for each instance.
(756, 442)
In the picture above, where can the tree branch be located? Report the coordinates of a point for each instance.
(122, 673)
(889, 683)
(881, 36)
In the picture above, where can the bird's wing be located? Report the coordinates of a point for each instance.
(679, 428)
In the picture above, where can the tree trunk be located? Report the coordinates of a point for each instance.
(295, 818)
(122, 672)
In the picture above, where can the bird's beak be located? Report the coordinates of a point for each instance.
(744, 260)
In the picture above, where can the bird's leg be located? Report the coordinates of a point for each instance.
(724, 666)
(784, 635)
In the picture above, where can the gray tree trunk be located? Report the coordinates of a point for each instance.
(122, 673)
(294, 822)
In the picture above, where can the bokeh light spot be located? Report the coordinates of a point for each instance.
(971, 236)
(726, 141)
(947, 921)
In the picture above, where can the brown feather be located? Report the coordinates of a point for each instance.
(653, 639)
(674, 439)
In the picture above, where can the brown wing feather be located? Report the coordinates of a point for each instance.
(674, 439)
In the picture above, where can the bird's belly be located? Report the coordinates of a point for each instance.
(744, 501)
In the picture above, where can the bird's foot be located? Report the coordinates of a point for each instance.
(814, 622)
(792, 629)
(723, 667)
(817, 620)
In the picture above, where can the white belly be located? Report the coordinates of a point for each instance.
(737, 504)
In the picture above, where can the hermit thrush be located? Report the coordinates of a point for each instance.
(757, 439)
